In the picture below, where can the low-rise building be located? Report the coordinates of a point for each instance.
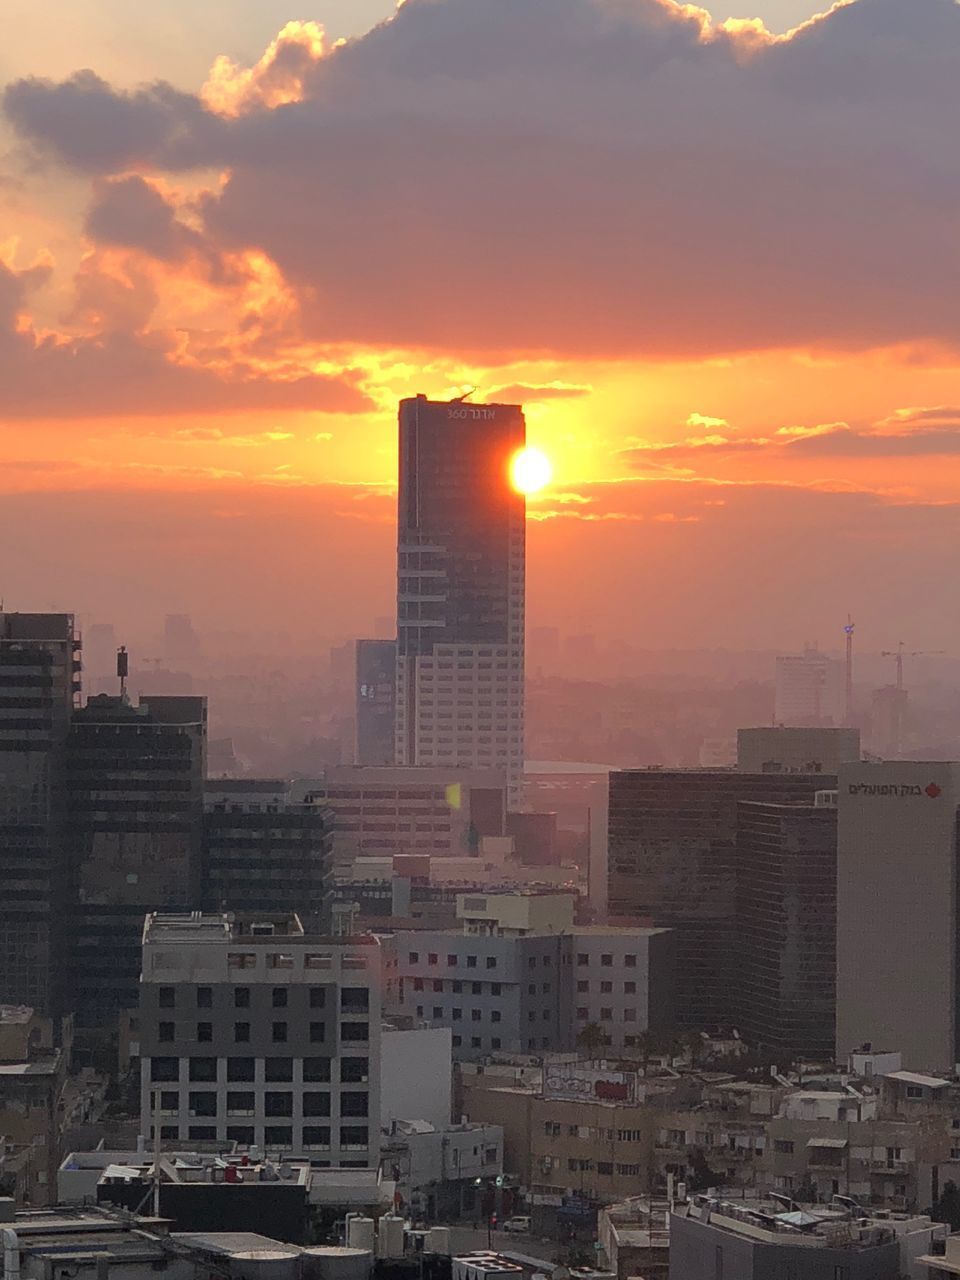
(634, 1236)
(439, 1171)
(33, 1075)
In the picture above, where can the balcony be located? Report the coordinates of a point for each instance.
(891, 1167)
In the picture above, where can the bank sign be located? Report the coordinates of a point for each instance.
(931, 790)
(586, 1084)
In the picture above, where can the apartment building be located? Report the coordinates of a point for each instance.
(255, 1032)
(33, 1074)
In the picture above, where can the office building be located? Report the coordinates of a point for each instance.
(897, 925)
(264, 852)
(809, 690)
(135, 798)
(786, 902)
(380, 813)
(793, 750)
(460, 588)
(255, 1032)
(376, 702)
(672, 845)
(521, 977)
(39, 685)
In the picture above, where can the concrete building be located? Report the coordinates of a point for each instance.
(713, 1240)
(437, 1168)
(796, 750)
(39, 686)
(135, 805)
(897, 926)
(33, 1074)
(416, 1074)
(634, 1236)
(521, 977)
(460, 588)
(255, 1032)
(809, 690)
(385, 812)
(786, 901)
(264, 852)
(376, 692)
(672, 862)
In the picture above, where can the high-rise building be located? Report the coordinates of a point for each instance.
(135, 795)
(460, 588)
(39, 684)
(376, 702)
(264, 852)
(671, 862)
(786, 926)
(898, 940)
(796, 750)
(254, 1031)
(809, 690)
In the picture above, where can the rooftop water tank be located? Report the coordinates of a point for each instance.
(390, 1236)
(360, 1232)
(333, 1262)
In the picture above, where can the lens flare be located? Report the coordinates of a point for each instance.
(530, 470)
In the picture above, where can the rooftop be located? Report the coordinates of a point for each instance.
(806, 1226)
(912, 1077)
(264, 928)
(15, 1013)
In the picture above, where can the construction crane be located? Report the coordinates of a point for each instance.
(848, 708)
(900, 654)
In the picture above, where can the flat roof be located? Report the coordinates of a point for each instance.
(44, 1067)
(913, 1077)
(15, 1013)
(234, 1242)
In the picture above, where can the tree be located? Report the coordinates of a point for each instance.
(701, 1176)
(947, 1208)
(592, 1038)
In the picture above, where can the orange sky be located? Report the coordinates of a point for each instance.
(717, 266)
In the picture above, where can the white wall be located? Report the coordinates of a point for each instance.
(416, 1074)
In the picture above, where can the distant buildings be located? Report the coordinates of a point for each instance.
(672, 862)
(376, 692)
(255, 1032)
(460, 588)
(796, 750)
(898, 955)
(809, 690)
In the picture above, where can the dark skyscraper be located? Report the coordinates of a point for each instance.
(39, 683)
(376, 701)
(460, 588)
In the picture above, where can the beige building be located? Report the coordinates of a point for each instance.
(897, 936)
(781, 749)
(32, 1081)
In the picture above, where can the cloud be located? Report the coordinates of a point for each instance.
(123, 372)
(581, 177)
(131, 213)
(526, 393)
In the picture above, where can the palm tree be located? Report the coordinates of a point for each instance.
(592, 1038)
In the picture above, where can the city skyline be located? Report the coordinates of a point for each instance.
(747, 344)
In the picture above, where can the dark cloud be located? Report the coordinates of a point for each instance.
(123, 372)
(581, 176)
(130, 213)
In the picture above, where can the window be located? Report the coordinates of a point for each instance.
(316, 1135)
(353, 1135)
(318, 1032)
(471, 962)
(204, 1032)
(476, 988)
(166, 997)
(495, 1042)
(203, 1070)
(318, 997)
(582, 958)
(605, 1167)
(316, 1070)
(354, 1104)
(418, 984)
(241, 1070)
(204, 997)
(437, 1011)
(277, 1103)
(607, 960)
(164, 1069)
(169, 1100)
(241, 997)
(456, 988)
(354, 999)
(630, 961)
(316, 1103)
(170, 1131)
(532, 962)
(782, 1146)
(457, 1041)
(241, 1032)
(582, 1014)
(630, 988)
(475, 1015)
(280, 1032)
(164, 1032)
(914, 1091)
(278, 1135)
(495, 1016)
(629, 1015)
(278, 1070)
(414, 957)
(438, 984)
(457, 1014)
(495, 988)
(202, 1132)
(354, 1070)
(353, 1031)
(240, 1102)
(279, 997)
(606, 1014)
(606, 988)
(279, 960)
(491, 962)
(531, 989)
(202, 1104)
(475, 1042)
(241, 960)
(451, 962)
(242, 1134)
(432, 957)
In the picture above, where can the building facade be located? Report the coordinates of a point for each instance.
(376, 693)
(672, 862)
(255, 1032)
(783, 749)
(135, 805)
(39, 686)
(460, 588)
(897, 910)
(786, 927)
(809, 690)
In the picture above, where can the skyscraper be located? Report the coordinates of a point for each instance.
(460, 588)
(39, 682)
(376, 695)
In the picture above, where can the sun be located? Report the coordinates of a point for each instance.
(530, 470)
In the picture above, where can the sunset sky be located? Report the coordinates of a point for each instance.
(715, 254)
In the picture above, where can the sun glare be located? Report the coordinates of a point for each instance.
(530, 470)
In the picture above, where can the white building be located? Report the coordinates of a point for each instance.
(897, 935)
(254, 1032)
(809, 690)
(416, 1074)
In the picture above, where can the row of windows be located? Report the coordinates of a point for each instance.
(606, 1014)
(476, 1015)
(203, 1032)
(275, 1102)
(244, 1070)
(606, 988)
(167, 997)
(453, 960)
(456, 988)
(273, 1135)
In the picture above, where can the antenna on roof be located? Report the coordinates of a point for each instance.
(466, 396)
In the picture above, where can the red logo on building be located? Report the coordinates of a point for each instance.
(932, 790)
